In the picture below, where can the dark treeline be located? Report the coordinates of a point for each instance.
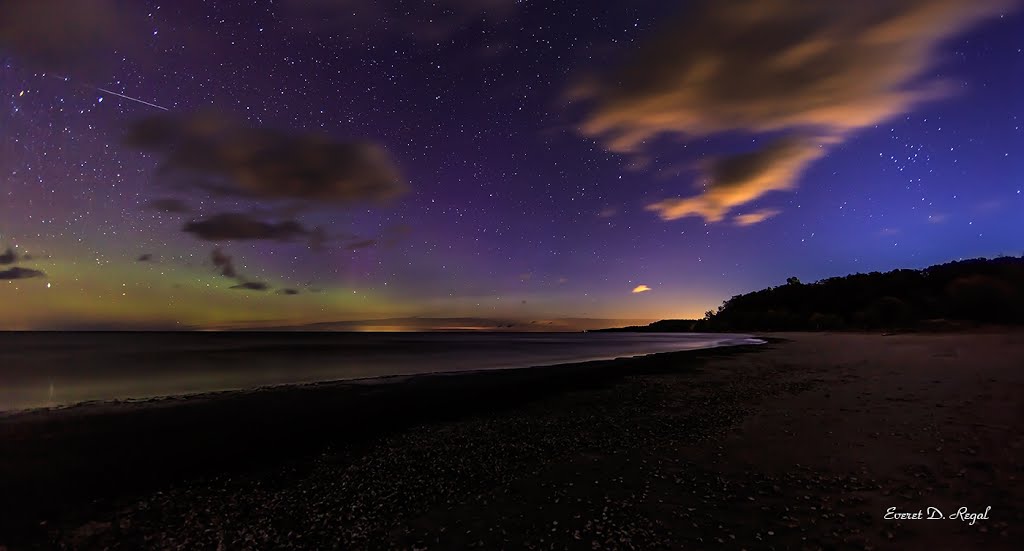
(974, 291)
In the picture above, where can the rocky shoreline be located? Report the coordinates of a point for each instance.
(755, 447)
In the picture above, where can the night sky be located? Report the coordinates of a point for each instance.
(233, 164)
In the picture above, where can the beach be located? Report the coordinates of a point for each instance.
(807, 442)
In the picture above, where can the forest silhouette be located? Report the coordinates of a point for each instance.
(944, 296)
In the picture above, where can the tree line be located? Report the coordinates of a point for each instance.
(979, 291)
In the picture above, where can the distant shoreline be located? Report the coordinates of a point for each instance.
(935, 326)
(956, 296)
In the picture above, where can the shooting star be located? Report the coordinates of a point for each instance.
(104, 90)
(137, 100)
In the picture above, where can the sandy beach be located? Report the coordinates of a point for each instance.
(803, 443)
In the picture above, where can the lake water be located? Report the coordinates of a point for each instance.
(57, 369)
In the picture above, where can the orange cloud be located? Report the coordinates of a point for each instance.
(739, 179)
(821, 69)
(641, 289)
(757, 217)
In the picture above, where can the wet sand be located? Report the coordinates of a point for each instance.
(799, 444)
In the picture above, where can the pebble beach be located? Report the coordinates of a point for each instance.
(801, 443)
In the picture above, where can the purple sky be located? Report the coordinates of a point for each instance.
(523, 161)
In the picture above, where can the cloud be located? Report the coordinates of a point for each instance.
(67, 34)
(395, 234)
(641, 289)
(10, 256)
(287, 291)
(238, 226)
(251, 286)
(735, 180)
(390, 237)
(318, 239)
(16, 272)
(226, 266)
(436, 20)
(176, 206)
(234, 226)
(812, 71)
(223, 263)
(211, 153)
(147, 257)
(756, 217)
(361, 244)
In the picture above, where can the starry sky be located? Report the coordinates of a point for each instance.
(524, 164)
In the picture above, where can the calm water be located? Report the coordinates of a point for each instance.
(53, 369)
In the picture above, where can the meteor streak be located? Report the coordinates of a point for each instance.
(129, 98)
(104, 90)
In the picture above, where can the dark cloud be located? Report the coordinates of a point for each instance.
(68, 35)
(435, 20)
(394, 235)
(226, 266)
(251, 286)
(20, 273)
(318, 239)
(147, 257)
(361, 244)
(223, 263)
(813, 71)
(287, 291)
(10, 256)
(176, 206)
(238, 226)
(212, 153)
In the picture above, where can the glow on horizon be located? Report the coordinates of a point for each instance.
(474, 200)
(131, 294)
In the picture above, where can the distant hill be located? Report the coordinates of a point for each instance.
(455, 324)
(946, 295)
